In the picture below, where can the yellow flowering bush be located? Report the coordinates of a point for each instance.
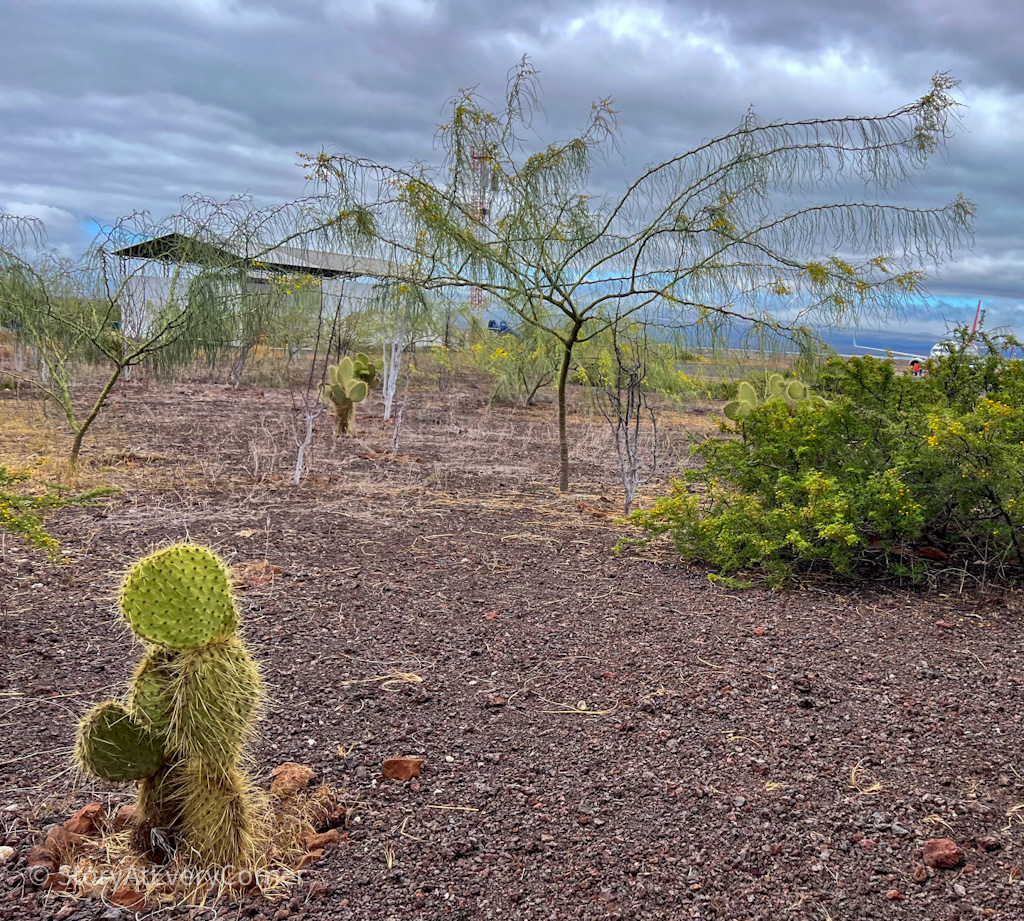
(22, 508)
(888, 472)
(520, 363)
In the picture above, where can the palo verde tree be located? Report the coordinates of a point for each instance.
(769, 227)
(178, 295)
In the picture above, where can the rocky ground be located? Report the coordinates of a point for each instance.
(602, 736)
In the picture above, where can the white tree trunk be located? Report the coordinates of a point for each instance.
(238, 367)
(392, 351)
(401, 411)
(300, 460)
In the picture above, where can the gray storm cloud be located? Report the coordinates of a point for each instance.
(111, 106)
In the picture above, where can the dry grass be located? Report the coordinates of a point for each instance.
(30, 435)
(863, 781)
(36, 437)
(109, 869)
(935, 819)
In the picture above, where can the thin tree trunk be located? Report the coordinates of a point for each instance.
(444, 377)
(125, 350)
(305, 443)
(392, 366)
(401, 410)
(563, 438)
(238, 367)
(76, 445)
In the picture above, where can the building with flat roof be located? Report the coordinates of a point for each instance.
(155, 270)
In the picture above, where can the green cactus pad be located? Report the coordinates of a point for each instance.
(113, 746)
(150, 701)
(736, 410)
(745, 393)
(796, 391)
(367, 370)
(345, 384)
(345, 370)
(217, 690)
(179, 597)
(217, 819)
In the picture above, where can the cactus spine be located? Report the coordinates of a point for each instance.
(348, 383)
(191, 707)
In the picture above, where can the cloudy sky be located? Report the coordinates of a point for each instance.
(112, 106)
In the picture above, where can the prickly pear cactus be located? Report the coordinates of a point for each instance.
(348, 383)
(776, 388)
(795, 392)
(746, 400)
(179, 597)
(113, 745)
(190, 708)
(366, 370)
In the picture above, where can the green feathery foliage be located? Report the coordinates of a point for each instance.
(749, 235)
(21, 512)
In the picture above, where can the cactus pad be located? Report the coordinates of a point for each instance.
(179, 597)
(150, 701)
(796, 391)
(218, 692)
(746, 393)
(114, 746)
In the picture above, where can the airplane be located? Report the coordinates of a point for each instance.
(941, 348)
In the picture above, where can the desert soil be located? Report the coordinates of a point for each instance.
(603, 736)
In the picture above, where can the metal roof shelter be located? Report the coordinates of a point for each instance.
(176, 247)
(326, 265)
(180, 248)
(148, 288)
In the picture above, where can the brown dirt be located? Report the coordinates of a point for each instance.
(603, 736)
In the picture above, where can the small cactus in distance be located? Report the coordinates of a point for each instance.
(190, 708)
(367, 370)
(776, 388)
(348, 383)
(746, 400)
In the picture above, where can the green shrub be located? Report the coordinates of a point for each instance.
(22, 508)
(520, 364)
(886, 471)
(720, 389)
